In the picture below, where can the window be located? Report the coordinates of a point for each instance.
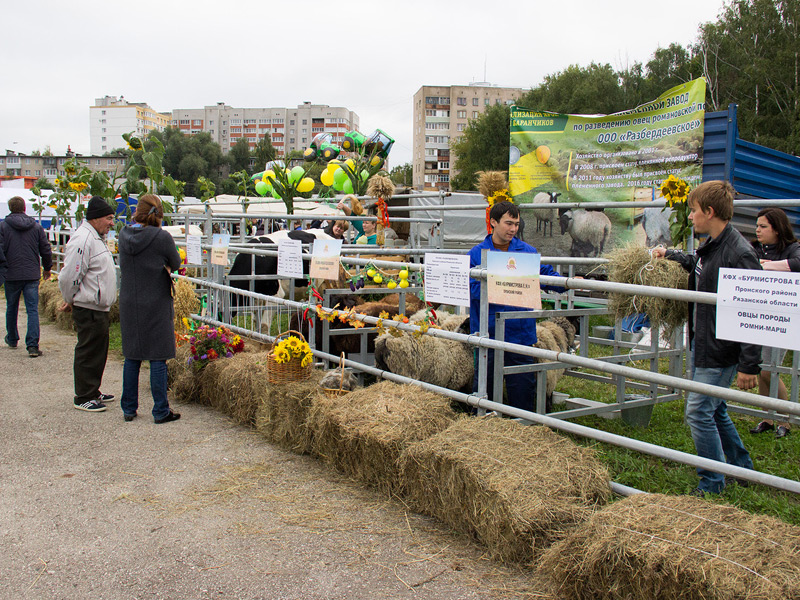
(103, 139)
(305, 130)
(38, 173)
(249, 121)
(474, 102)
(104, 129)
(53, 172)
(102, 112)
(184, 121)
(430, 151)
(305, 122)
(197, 123)
(236, 121)
(461, 114)
(429, 125)
(291, 122)
(444, 165)
(317, 129)
(305, 140)
(460, 127)
(112, 161)
(96, 161)
(28, 172)
(277, 121)
(264, 121)
(461, 101)
(291, 140)
(474, 114)
(486, 101)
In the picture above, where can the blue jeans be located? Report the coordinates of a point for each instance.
(713, 432)
(30, 291)
(158, 386)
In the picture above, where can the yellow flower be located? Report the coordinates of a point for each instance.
(306, 360)
(499, 196)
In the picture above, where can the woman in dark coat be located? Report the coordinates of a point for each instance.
(778, 250)
(147, 256)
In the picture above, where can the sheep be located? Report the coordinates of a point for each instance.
(556, 334)
(589, 230)
(437, 361)
(545, 216)
(656, 226)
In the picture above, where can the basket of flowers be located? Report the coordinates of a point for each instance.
(290, 358)
(210, 343)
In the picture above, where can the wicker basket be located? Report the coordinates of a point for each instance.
(334, 392)
(286, 372)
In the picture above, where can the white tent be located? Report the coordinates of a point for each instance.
(230, 204)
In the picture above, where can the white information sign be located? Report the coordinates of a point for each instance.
(219, 248)
(447, 279)
(325, 259)
(290, 258)
(194, 250)
(759, 307)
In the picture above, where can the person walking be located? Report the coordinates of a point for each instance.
(147, 256)
(88, 284)
(777, 250)
(27, 258)
(715, 361)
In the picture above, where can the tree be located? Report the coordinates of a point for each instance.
(263, 152)
(188, 157)
(239, 156)
(483, 146)
(401, 174)
(44, 184)
(591, 90)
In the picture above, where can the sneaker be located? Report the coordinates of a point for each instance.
(782, 431)
(762, 427)
(91, 406)
(34, 352)
(172, 416)
(105, 397)
(9, 344)
(129, 418)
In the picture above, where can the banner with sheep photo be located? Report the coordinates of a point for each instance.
(623, 157)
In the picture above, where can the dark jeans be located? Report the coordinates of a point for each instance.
(29, 289)
(91, 352)
(520, 388)
(158, 387)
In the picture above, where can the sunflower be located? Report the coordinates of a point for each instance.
(499, 196)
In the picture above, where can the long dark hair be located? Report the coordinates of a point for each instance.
(780, 223)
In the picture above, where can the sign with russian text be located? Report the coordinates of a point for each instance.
(194, 249)
(447, 279)
(513, 279)
(219, 248)
(759, 307)
(290, 258)
(622, 157)
(325, 259)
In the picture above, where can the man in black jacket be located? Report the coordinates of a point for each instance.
(24, 244)
(715, 361)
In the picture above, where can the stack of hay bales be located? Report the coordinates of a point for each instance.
(652, 546)
(50, 299)
(282, 415)
(181, 378)
(515, 488)
(185, 302)
(633, 264)
(236, 386)
(363, 433)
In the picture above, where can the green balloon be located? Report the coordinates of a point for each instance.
(364, 175)
(347, 188)
(261, 188)
(339, 177)
(276, 195)
(296, 174)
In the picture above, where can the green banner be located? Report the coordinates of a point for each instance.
(620, 157)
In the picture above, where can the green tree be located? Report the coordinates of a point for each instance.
(401, 174)
(188, 157)
(581, 90)
(483, 146)
(239, 156)
(43, 183)
(263, 152)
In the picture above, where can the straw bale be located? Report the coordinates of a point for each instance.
(49, 299)
(364, 432)
(236, 385)
(515, 488)
(186, 303)
(282, 417)
(662, 547)
(182, 378)
(633, 264)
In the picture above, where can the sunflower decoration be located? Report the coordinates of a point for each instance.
(291, 348)
(676, 192)
(494, 187)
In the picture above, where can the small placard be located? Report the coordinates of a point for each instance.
(219, 248)
(111, 241)
(194, 250)
(290, 258)
(447, 279)
(513, 279)
(325, 259)
(759, 307)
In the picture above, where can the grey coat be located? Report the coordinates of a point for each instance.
(146, 311)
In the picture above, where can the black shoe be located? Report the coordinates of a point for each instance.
(9, 344)
(129, 418)
(105, 397)
(782, 431)
(736, 481)
(697, 493)
(762, 427)
(34, 352)
(91, 406)
(172, 416)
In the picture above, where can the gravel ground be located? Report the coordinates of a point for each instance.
(93, 507)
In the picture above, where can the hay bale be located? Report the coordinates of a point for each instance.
(364, 432)
(282, 417)
(182, 379)
(49, 299)
(633, 264)
(662, 547)
(515, 488)
(236, 385)
(186, 303)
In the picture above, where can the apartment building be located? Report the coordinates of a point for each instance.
(289, 128)
(441, 114)
(24, 165)
(110, 117)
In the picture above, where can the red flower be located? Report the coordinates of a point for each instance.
(212, 354)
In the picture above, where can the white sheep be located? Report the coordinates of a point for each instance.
(556, 334)
(589, 230)
(656, 226)
(545, 216)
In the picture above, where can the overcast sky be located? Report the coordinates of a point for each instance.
(370, 57)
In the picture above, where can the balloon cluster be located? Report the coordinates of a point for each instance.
(376, 275)
(281, 181)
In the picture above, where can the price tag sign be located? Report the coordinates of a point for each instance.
(513, 279)
(194, 251)
(219, 249)
(290, 258)
(325, 259)
(447, 279)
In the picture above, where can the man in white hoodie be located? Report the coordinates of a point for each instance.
(88, 283)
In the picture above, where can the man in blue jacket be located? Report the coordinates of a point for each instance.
(26, 250)
(521, 388)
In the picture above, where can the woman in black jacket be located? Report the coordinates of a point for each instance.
(147, 256)
(777, 250)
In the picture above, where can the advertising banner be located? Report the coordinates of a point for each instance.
(610, 158)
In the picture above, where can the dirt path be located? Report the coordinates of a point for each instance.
(93, 507)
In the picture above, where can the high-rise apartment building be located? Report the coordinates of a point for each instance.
(110, 117)
(441, 113)
(14, 165)
(289, 128)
